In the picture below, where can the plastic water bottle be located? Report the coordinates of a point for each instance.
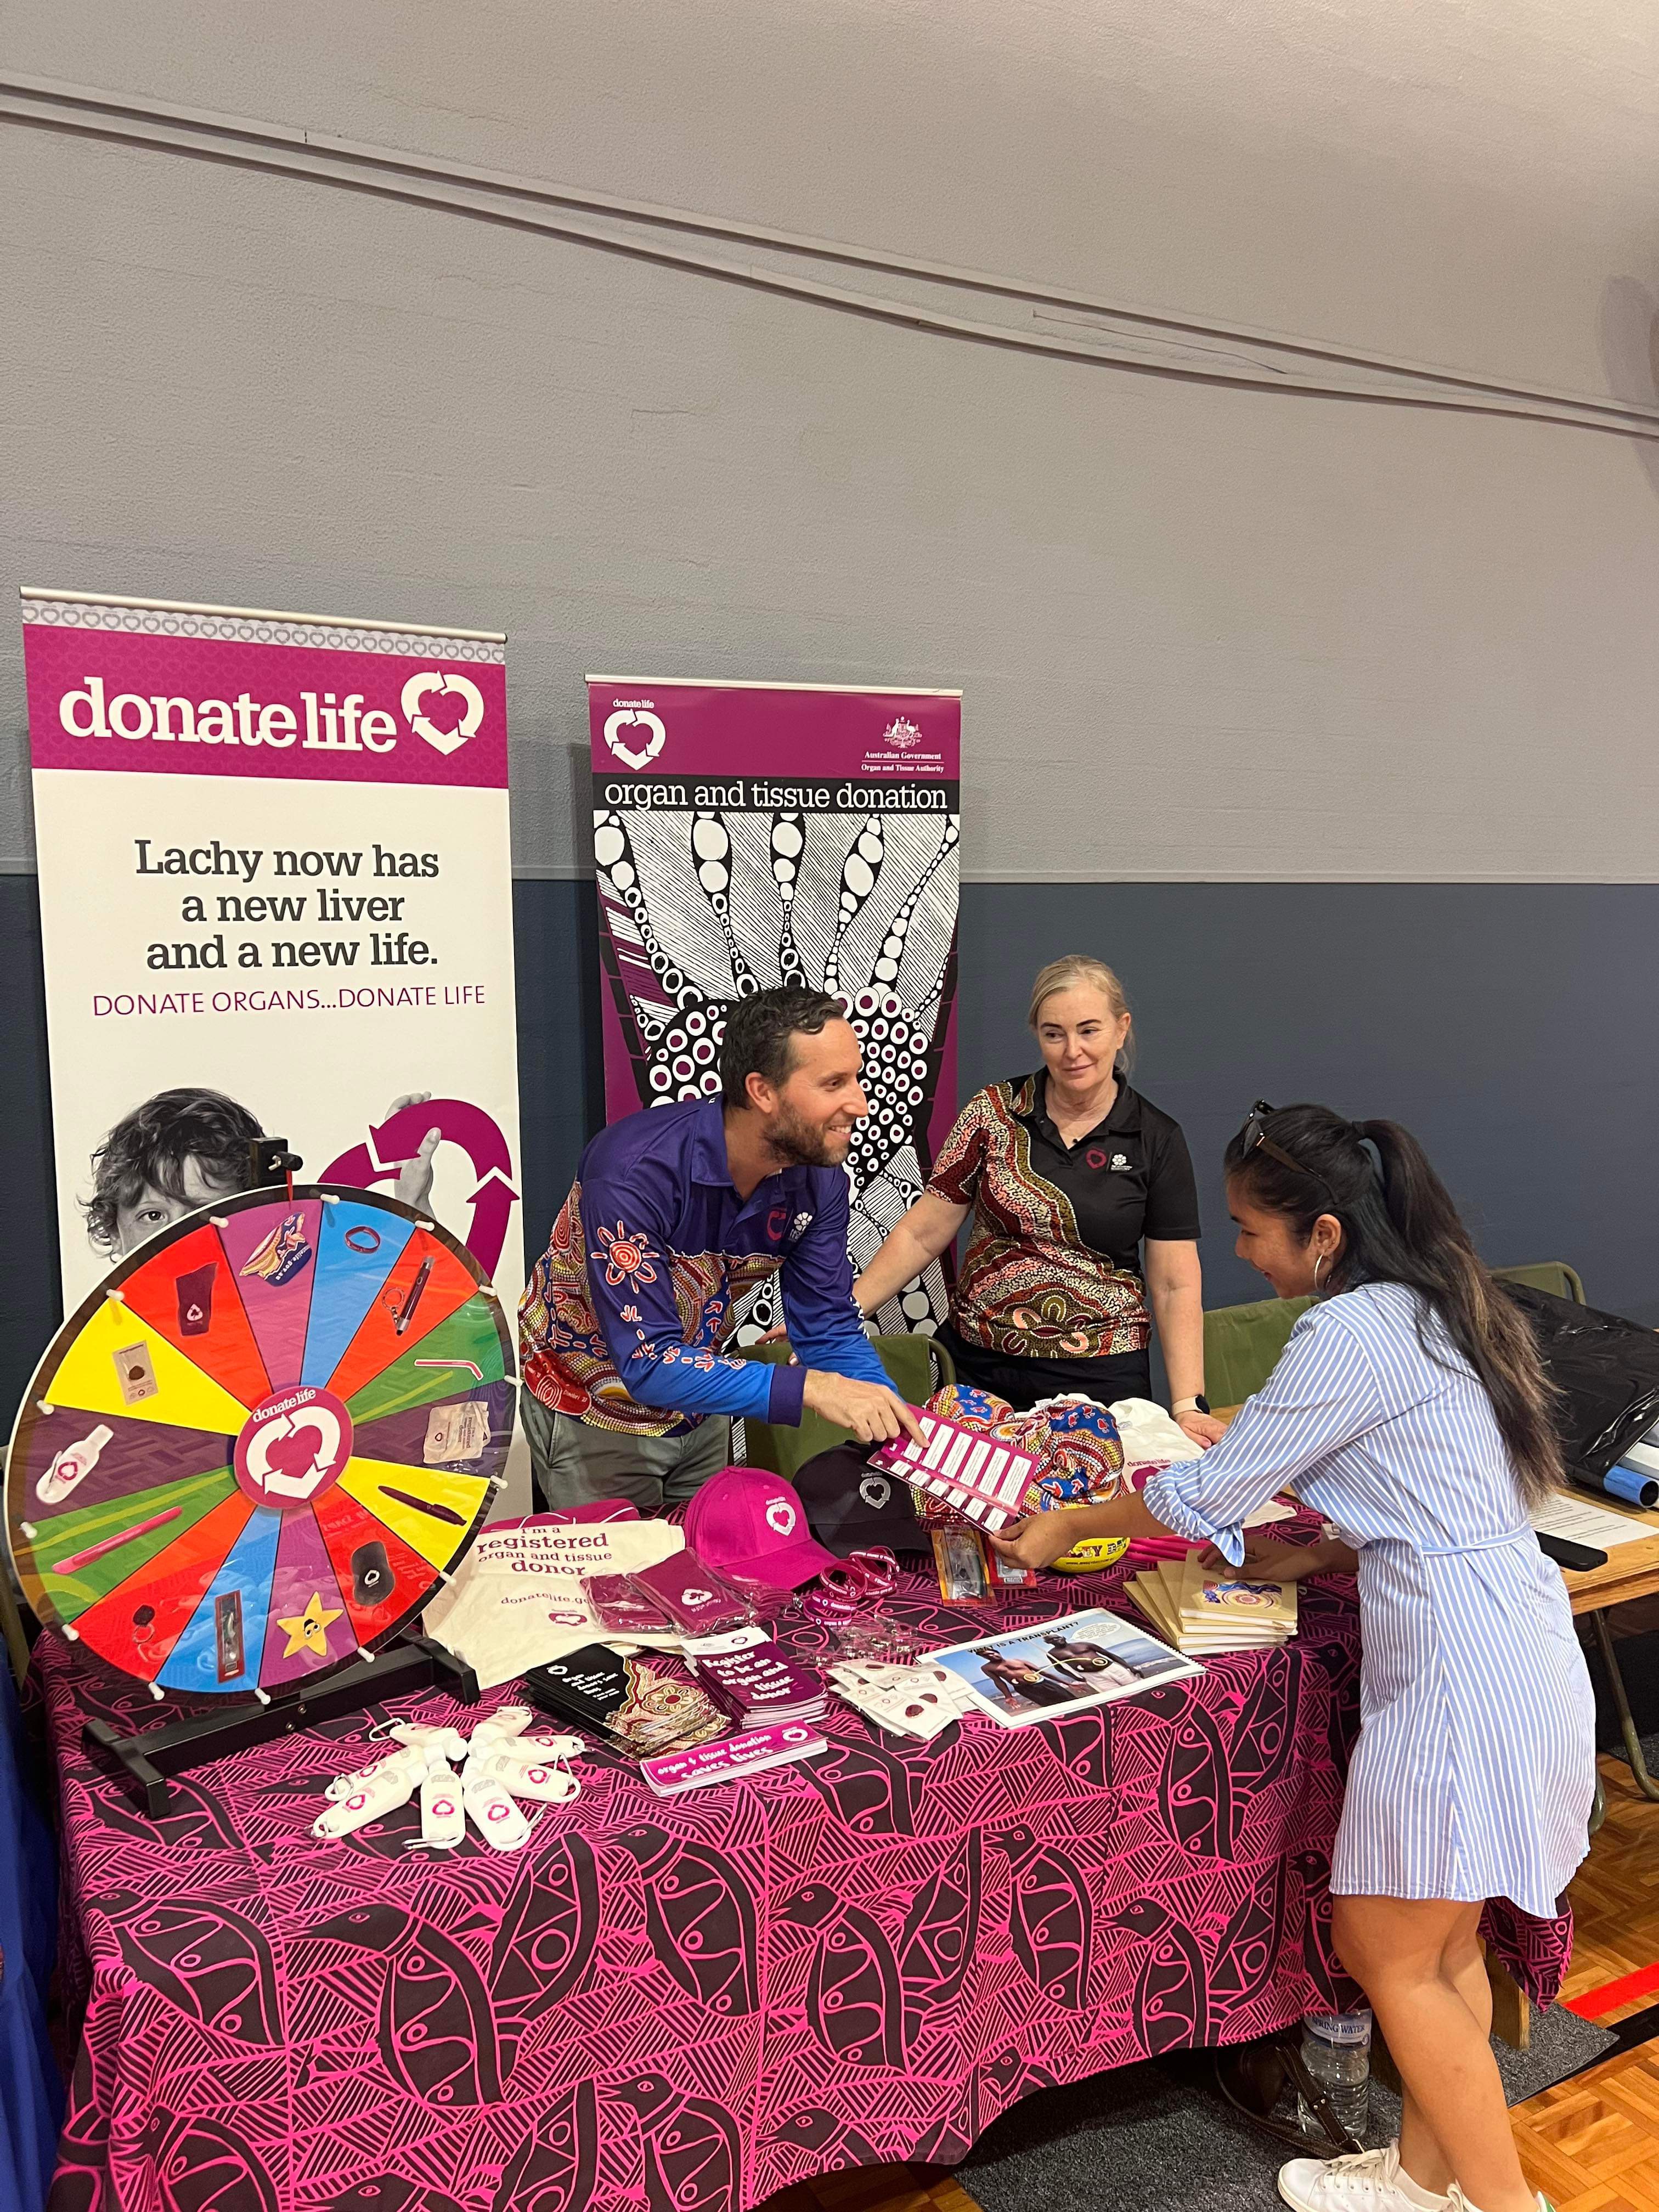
(1336, 2050)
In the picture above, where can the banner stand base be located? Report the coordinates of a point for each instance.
(143, 1762)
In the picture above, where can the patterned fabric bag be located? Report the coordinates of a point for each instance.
(1073, 1440)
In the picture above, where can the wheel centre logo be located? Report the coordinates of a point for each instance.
(292, 1447)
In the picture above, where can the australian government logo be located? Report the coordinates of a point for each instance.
(904, 748)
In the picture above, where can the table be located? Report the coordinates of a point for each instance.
(684, 2006)
(1631, 1570)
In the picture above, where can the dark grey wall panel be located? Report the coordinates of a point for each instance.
(1509, 1026)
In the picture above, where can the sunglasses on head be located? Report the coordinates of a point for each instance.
(1253, 1137)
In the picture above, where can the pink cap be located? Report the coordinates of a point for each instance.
(752, 1523)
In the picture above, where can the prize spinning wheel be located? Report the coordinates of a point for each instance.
(253, 1452)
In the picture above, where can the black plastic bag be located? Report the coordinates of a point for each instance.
(1258, 2079)
(1607, 1370)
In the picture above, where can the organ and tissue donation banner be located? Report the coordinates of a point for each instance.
(748, 835)
(274, 864)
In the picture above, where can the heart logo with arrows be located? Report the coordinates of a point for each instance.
(636, 717)
(443, 708)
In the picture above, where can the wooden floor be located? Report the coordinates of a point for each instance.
(1591, 2144)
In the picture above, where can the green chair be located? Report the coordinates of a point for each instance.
(915, 1365)
(1554, 1276)
(1243, 1343)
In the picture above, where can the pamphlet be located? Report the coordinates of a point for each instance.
(731, 1759)
(1575, 1520)
(977, 1473)
(1062, 1667)
(623, 1701)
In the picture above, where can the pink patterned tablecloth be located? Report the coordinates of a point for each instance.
(684, 2006)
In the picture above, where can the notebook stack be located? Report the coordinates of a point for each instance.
(1202, 1613)
(760, 1688)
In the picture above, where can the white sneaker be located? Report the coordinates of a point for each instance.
(1364, 2181)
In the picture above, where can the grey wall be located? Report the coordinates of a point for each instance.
(1203, 633)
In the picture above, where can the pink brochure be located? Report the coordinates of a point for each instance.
(732, 1758)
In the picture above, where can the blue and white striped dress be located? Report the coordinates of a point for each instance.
(1475, 1765)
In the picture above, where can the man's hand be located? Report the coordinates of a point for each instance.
(1268, 1561)
(414, 1183)
(1204, 1429)
(1039, 1539)
(874, 1414)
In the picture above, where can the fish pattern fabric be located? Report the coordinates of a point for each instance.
(688, 2005)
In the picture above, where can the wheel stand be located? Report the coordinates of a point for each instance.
(143, 1762)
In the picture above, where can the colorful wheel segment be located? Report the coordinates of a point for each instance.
(256, 1449)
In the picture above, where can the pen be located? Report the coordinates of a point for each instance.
(113, 1543)
(406, 1312)
(421, 1505)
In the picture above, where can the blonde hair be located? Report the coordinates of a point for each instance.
(1065, 974)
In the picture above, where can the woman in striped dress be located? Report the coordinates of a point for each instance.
(1409, 1408)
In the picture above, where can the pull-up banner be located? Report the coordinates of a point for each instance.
(274, 865)
(749, 835)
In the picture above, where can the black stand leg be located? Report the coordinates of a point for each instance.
(143, 1762)
(1639, 1765)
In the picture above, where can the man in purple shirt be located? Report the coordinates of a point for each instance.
(676, 1213)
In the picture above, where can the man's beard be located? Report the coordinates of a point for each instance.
(801, 1144)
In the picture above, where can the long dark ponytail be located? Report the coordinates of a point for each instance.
(1400, 1227)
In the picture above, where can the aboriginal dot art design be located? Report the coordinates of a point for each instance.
(687, 2005)
(256, 1448)
(699, 908)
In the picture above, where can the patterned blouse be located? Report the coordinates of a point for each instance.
(1053, 1270)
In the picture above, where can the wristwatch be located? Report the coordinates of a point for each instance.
(1199, 1405)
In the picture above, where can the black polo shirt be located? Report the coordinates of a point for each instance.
(1129, 1178)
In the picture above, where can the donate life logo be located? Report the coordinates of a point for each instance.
(631, 716)
(440, 706)
(457, 709)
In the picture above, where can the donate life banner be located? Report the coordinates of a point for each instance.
(749, 835)
(274, 863)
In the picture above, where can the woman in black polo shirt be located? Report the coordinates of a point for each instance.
(1070, 1175)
